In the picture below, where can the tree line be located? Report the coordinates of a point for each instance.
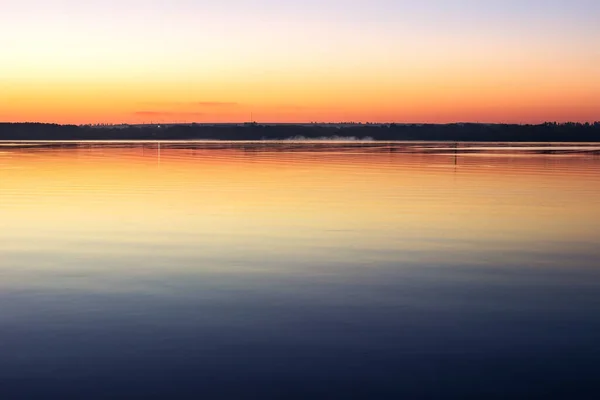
(547, 132)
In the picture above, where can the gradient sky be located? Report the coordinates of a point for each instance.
(72, 61)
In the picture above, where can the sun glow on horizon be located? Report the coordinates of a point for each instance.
(376, 61)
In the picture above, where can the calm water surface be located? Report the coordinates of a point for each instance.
(280, 271)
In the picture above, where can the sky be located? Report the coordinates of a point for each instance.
(134, 61)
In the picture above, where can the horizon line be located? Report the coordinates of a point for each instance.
(299, 123)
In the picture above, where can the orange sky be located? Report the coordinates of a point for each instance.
(378, 61)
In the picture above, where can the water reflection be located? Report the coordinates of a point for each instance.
(255, 270)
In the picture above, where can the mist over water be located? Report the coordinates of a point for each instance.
(299, 270)
(332, 139)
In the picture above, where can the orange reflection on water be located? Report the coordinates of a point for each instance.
(275, 196)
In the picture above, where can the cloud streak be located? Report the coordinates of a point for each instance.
(193, 104)
(161, 114)
(215, 104)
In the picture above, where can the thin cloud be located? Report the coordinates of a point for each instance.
(215, 104)
(151, 113)
(193, 104)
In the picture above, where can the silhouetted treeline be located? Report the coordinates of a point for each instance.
(548, 132)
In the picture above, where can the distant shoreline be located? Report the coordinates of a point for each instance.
(459, 132)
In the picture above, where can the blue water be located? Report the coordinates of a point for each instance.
(298, 271)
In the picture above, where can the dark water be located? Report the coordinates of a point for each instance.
(284, 271)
